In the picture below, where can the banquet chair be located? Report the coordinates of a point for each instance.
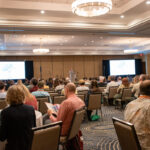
(3, 103)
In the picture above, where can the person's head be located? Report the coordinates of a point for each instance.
(2, 85)
(125, 82)
(145, 88)
(112, 78)
(34, 82)
(136, 79)
(41, 85)
(143, 77)
(101, 79)
(19, 82)
(61, 82)
(81, 82)
(119, 78)
(15, 95)
(27, 93)
(94, 84)
(70, 89)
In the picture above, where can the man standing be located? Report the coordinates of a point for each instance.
(67, 108)
(137, 112)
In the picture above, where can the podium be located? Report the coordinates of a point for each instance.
(72, 75)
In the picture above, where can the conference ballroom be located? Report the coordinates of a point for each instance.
(74, 74)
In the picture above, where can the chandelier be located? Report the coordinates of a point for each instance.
(40, 50)
(91, 8)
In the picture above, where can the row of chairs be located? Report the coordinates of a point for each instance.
(48, 136)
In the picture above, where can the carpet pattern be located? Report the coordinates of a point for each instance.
(101, 135)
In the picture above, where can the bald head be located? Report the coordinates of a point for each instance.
(145, 88)
(71, 87)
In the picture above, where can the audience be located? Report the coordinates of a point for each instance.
(67, 108)
(119, 80)
(102, 82)
(40, 92)
(34, 83)
(137, 112)
(82, 86)
(17, 121)
(2, 90)
(60, 86)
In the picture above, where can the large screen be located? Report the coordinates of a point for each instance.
(12, 70)
(122, 67)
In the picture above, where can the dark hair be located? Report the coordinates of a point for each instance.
(112, 78)
(145, 88)
(2, 85)
(94, 84)
(34, 81)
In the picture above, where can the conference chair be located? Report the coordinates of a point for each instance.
(126, 135)
(82, 97)
(53, 94)
(126, 97)
(46, 137)
(109, 97)
(41, 103)
(3, 103)
(58, 99)
(74, 127)
(94, 102)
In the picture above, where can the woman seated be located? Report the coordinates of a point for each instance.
(17, 121)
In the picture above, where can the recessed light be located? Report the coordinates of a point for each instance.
(42, 12)
(122, 16)
(148, 2)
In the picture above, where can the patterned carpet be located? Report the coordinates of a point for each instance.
(100, 135)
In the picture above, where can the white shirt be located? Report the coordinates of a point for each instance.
(136, 89)
(59, 87)
(3, 94)
(112, 83)
(82, 88)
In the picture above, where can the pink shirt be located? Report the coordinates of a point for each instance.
(66, 111)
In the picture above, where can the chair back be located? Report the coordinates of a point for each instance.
(41, 103)
(112, 91)
(46, 137)
(76, 122)
(84, 92)
(102, 89)
(53, 94)
(3, 103)
(82, 97)
(126, 94)
(94, 101)
(126, 135)
(58, 99)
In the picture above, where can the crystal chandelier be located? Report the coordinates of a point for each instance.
(91, 8)
(40, 50)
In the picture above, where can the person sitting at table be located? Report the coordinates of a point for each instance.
(17, 121)
(2, 90)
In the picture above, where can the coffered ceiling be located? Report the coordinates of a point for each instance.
(22, 25)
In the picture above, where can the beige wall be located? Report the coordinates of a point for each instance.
(90, 66)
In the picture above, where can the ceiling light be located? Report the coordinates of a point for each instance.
(90, 8)
(130, 51)
(40, 50)
(122, 16)
(148, 2)
(42, 12)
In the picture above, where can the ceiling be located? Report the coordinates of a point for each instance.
(64, 33)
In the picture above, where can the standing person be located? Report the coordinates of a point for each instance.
(17, 121)
(72, 75)
(137, 112)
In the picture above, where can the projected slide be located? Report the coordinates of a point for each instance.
(12, 70)
(122, 67)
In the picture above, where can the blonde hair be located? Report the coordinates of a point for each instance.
(15, 95)
(19, 82)
(28, 95)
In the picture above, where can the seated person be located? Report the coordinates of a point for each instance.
(29, 98)
(82, 86)
(102, 82)
(17, 121)
(67, 108)
(111, 83)
(125, 84)
(34, 83)
(2, 90)
(94, 89)
(119, 81)
(45, 86)
(60, 86)
(40, 92)
(137, 112)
